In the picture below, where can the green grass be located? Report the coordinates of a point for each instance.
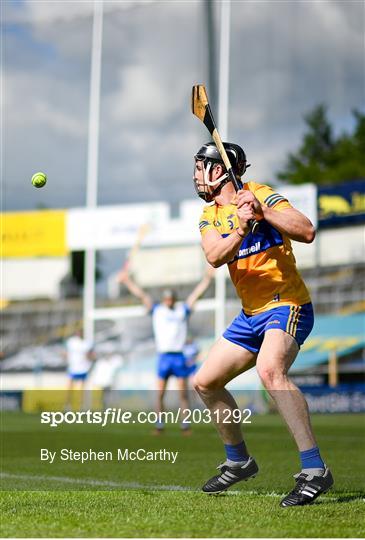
(43, 500)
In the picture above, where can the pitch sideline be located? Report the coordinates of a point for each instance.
(131, 485)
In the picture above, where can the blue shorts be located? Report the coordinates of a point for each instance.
(172, 363)
(248, 331)
(78, 376)
(192, 368)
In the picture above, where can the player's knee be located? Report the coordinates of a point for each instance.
(270, 376)
(196, 383)
(203, 386)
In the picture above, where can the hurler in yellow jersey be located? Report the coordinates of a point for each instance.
(276, 316)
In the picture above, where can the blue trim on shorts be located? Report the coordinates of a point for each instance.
(192, 368)
(248, 331)
(172, 363)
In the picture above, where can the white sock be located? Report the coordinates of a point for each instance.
(234, 464)
(314, 472)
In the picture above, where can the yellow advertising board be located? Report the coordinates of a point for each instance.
(34, 234)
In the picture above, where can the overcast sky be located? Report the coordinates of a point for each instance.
(286, 57)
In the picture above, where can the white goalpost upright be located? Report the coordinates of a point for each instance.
(92, 163)
(90, 313)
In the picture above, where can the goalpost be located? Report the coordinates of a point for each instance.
(90, 314)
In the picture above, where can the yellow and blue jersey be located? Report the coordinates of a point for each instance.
(264, 270)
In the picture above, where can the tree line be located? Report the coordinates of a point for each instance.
(324, 158)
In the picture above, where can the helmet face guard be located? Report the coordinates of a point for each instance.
(209, 156)
(202, 190)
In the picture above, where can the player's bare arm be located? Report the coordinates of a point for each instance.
(201, 287)
(292, 223)
(219, 250)
(288, 221)
(124, 277)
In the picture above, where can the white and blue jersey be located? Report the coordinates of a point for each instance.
(170, 326)
(77, 357)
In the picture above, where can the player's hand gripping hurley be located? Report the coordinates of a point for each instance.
(201, 108)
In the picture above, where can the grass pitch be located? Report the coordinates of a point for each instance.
(159, 499)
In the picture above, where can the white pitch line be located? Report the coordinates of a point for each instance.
(136, 485)
(92, 482)
(130, 485)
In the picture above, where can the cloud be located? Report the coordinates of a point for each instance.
(140, 98)
(40, 13)
(43, 101)
(285, 58)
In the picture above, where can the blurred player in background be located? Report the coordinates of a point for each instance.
(79, 355)
(105, 370)
(276, 318)
(170, 325)
(191, 352)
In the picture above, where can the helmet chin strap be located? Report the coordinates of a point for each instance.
(206, 176)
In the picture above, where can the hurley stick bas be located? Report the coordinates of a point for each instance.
(201, 109)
